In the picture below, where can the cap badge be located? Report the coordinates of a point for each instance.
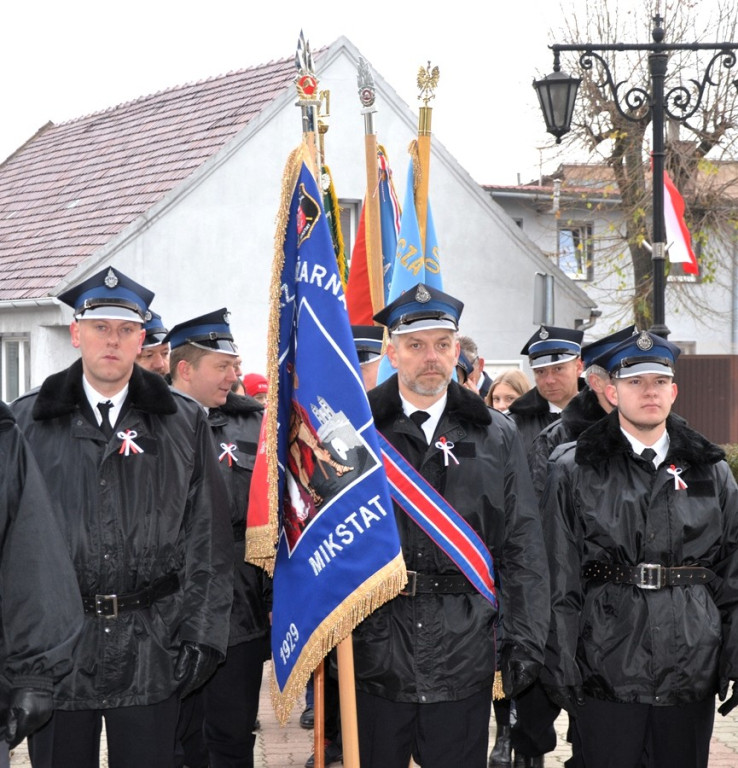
(645, 342)
(111, 279)
(148, 316)
(422, 296)
(543, 334)
(226, 317)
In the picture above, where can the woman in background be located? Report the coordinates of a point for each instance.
(506, 388)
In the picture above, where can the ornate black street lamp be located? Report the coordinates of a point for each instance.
(557, 93)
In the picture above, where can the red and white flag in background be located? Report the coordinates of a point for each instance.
(678, 240)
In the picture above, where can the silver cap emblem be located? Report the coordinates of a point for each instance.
(111, 279)
(422, 296)
(543, 334)
(645, 342)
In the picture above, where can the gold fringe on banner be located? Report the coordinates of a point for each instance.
(374, 592)
(497, 690)
(261, 541)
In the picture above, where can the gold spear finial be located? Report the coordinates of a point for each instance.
(427, 82)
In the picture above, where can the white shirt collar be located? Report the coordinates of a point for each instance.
(434, 414)
(94, 397)
(661, 446)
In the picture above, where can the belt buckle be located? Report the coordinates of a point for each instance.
(412, 579)
(650, 575)
(106, 606)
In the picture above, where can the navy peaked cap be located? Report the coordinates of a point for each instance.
(108, 295)
(550, 345)
(421, 308)
(211, 332)
(640, 354)
(593, 350)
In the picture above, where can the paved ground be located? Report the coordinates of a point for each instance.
(284, 747)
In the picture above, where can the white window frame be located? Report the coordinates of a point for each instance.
(23, 382)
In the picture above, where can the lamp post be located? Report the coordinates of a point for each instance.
(557, 96)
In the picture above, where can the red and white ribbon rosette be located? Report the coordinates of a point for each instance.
(228, 451)
(679, 484)
(128, 446)
(446, 446)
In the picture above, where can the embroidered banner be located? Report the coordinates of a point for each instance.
(330, 513)
(448, 529)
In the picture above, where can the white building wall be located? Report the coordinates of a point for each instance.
(698, 314)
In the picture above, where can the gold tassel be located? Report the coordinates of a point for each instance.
(497, 690)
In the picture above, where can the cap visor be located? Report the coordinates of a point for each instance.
(110, 313)
(544, 360)
(641, 369)
(426, 325)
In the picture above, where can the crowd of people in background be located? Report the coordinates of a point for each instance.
(611, 526)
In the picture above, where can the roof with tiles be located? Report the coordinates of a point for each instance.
(72, 187)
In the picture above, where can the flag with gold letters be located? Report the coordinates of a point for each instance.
(320, 501)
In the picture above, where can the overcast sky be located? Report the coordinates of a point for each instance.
(61, 60)
(64, 60)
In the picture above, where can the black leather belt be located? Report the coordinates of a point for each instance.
(425, 583)
(109, 606)
(648, 575)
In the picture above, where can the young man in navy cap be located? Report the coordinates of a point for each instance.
(642, 536)
(137, 493)
(554, 355)
(216, 724)
(154, 354)
(425, 661)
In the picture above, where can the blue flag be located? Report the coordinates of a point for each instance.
(412, 264)
(338, 552)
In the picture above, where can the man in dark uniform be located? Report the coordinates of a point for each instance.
(425, 661)
(41, 613)
(533, 732)
(136, 491)
(584, 409)
(154, 355)
(554, 355)
(224, 712)
(642, 534)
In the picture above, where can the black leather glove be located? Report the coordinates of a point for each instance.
(568, 697)
(731, 703)
(517, 674)
(195, 665)
(28, 710)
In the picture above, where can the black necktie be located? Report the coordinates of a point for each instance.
(106, 426)
(648, 454)
(420, 417)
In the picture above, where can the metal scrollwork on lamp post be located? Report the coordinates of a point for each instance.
(557, 95)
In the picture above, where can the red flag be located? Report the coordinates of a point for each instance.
(677, 235)
(358, 294)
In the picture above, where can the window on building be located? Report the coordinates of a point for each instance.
(15, 366)
(575, 251)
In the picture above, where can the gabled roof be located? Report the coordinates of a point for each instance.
(73, 186)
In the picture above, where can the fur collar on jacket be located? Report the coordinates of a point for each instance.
(462, 404)
(604, 440)
(584, 409)
(532, 403)
(63, 393)
(239, 405)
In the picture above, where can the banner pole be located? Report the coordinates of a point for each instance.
(347, 696)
